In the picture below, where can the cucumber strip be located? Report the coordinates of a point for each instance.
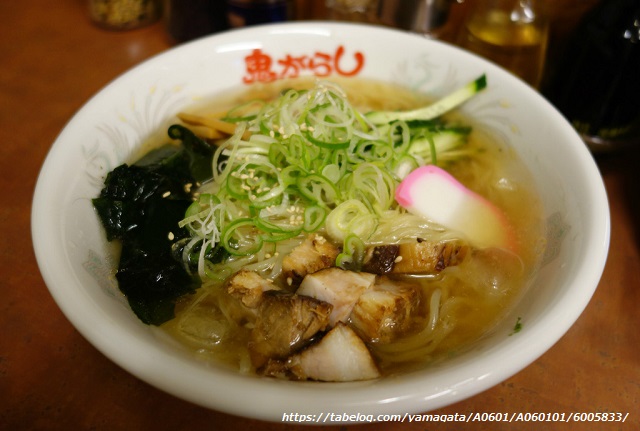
(443, 105)
(444, 140)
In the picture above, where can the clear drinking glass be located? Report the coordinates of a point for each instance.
(511, 33)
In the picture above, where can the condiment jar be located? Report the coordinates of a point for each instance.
(124, 14)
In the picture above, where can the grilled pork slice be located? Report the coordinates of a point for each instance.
(285, 322)
(429, 257)
(314, 254)
(414, 257)
(380, 259)
(340, 356)
(248, 287)
(338, 287)
(385, 311)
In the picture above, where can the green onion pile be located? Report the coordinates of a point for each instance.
(309, 162)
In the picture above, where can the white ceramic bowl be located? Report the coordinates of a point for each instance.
(74, 260)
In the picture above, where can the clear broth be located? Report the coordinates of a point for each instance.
(474, 296)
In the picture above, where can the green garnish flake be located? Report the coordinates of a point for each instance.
(517, 327)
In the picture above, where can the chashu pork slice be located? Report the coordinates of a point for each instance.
(285, 323)
(340, 356)
(245, 291)
(248, 287)
(338, 287)
(414, 257)
(313, 254)
(385, 312)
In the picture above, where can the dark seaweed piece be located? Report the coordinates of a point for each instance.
(152, 282)
(198, 152)
(141, 205)
(215, 254)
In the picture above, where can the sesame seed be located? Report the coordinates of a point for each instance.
(398, 259)
(171, 236)
(166, 194)
(289, 281)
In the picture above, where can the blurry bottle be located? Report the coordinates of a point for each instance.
(511, 33)
(427, 17)
(124, 14)
(351, 10)
(597, 82)
(190, 19)
(242, 13)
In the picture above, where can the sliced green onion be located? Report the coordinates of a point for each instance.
(352, 254)
(240, 238)
(350, 217)
(313, 151)
(318, 189)
(245, 112)
(332, 144)
(314, 217)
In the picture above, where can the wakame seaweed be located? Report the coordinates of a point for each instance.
(141, 205)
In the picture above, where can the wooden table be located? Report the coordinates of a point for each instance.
(53, 59)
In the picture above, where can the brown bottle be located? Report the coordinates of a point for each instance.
(190, 19)
(243, 13)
